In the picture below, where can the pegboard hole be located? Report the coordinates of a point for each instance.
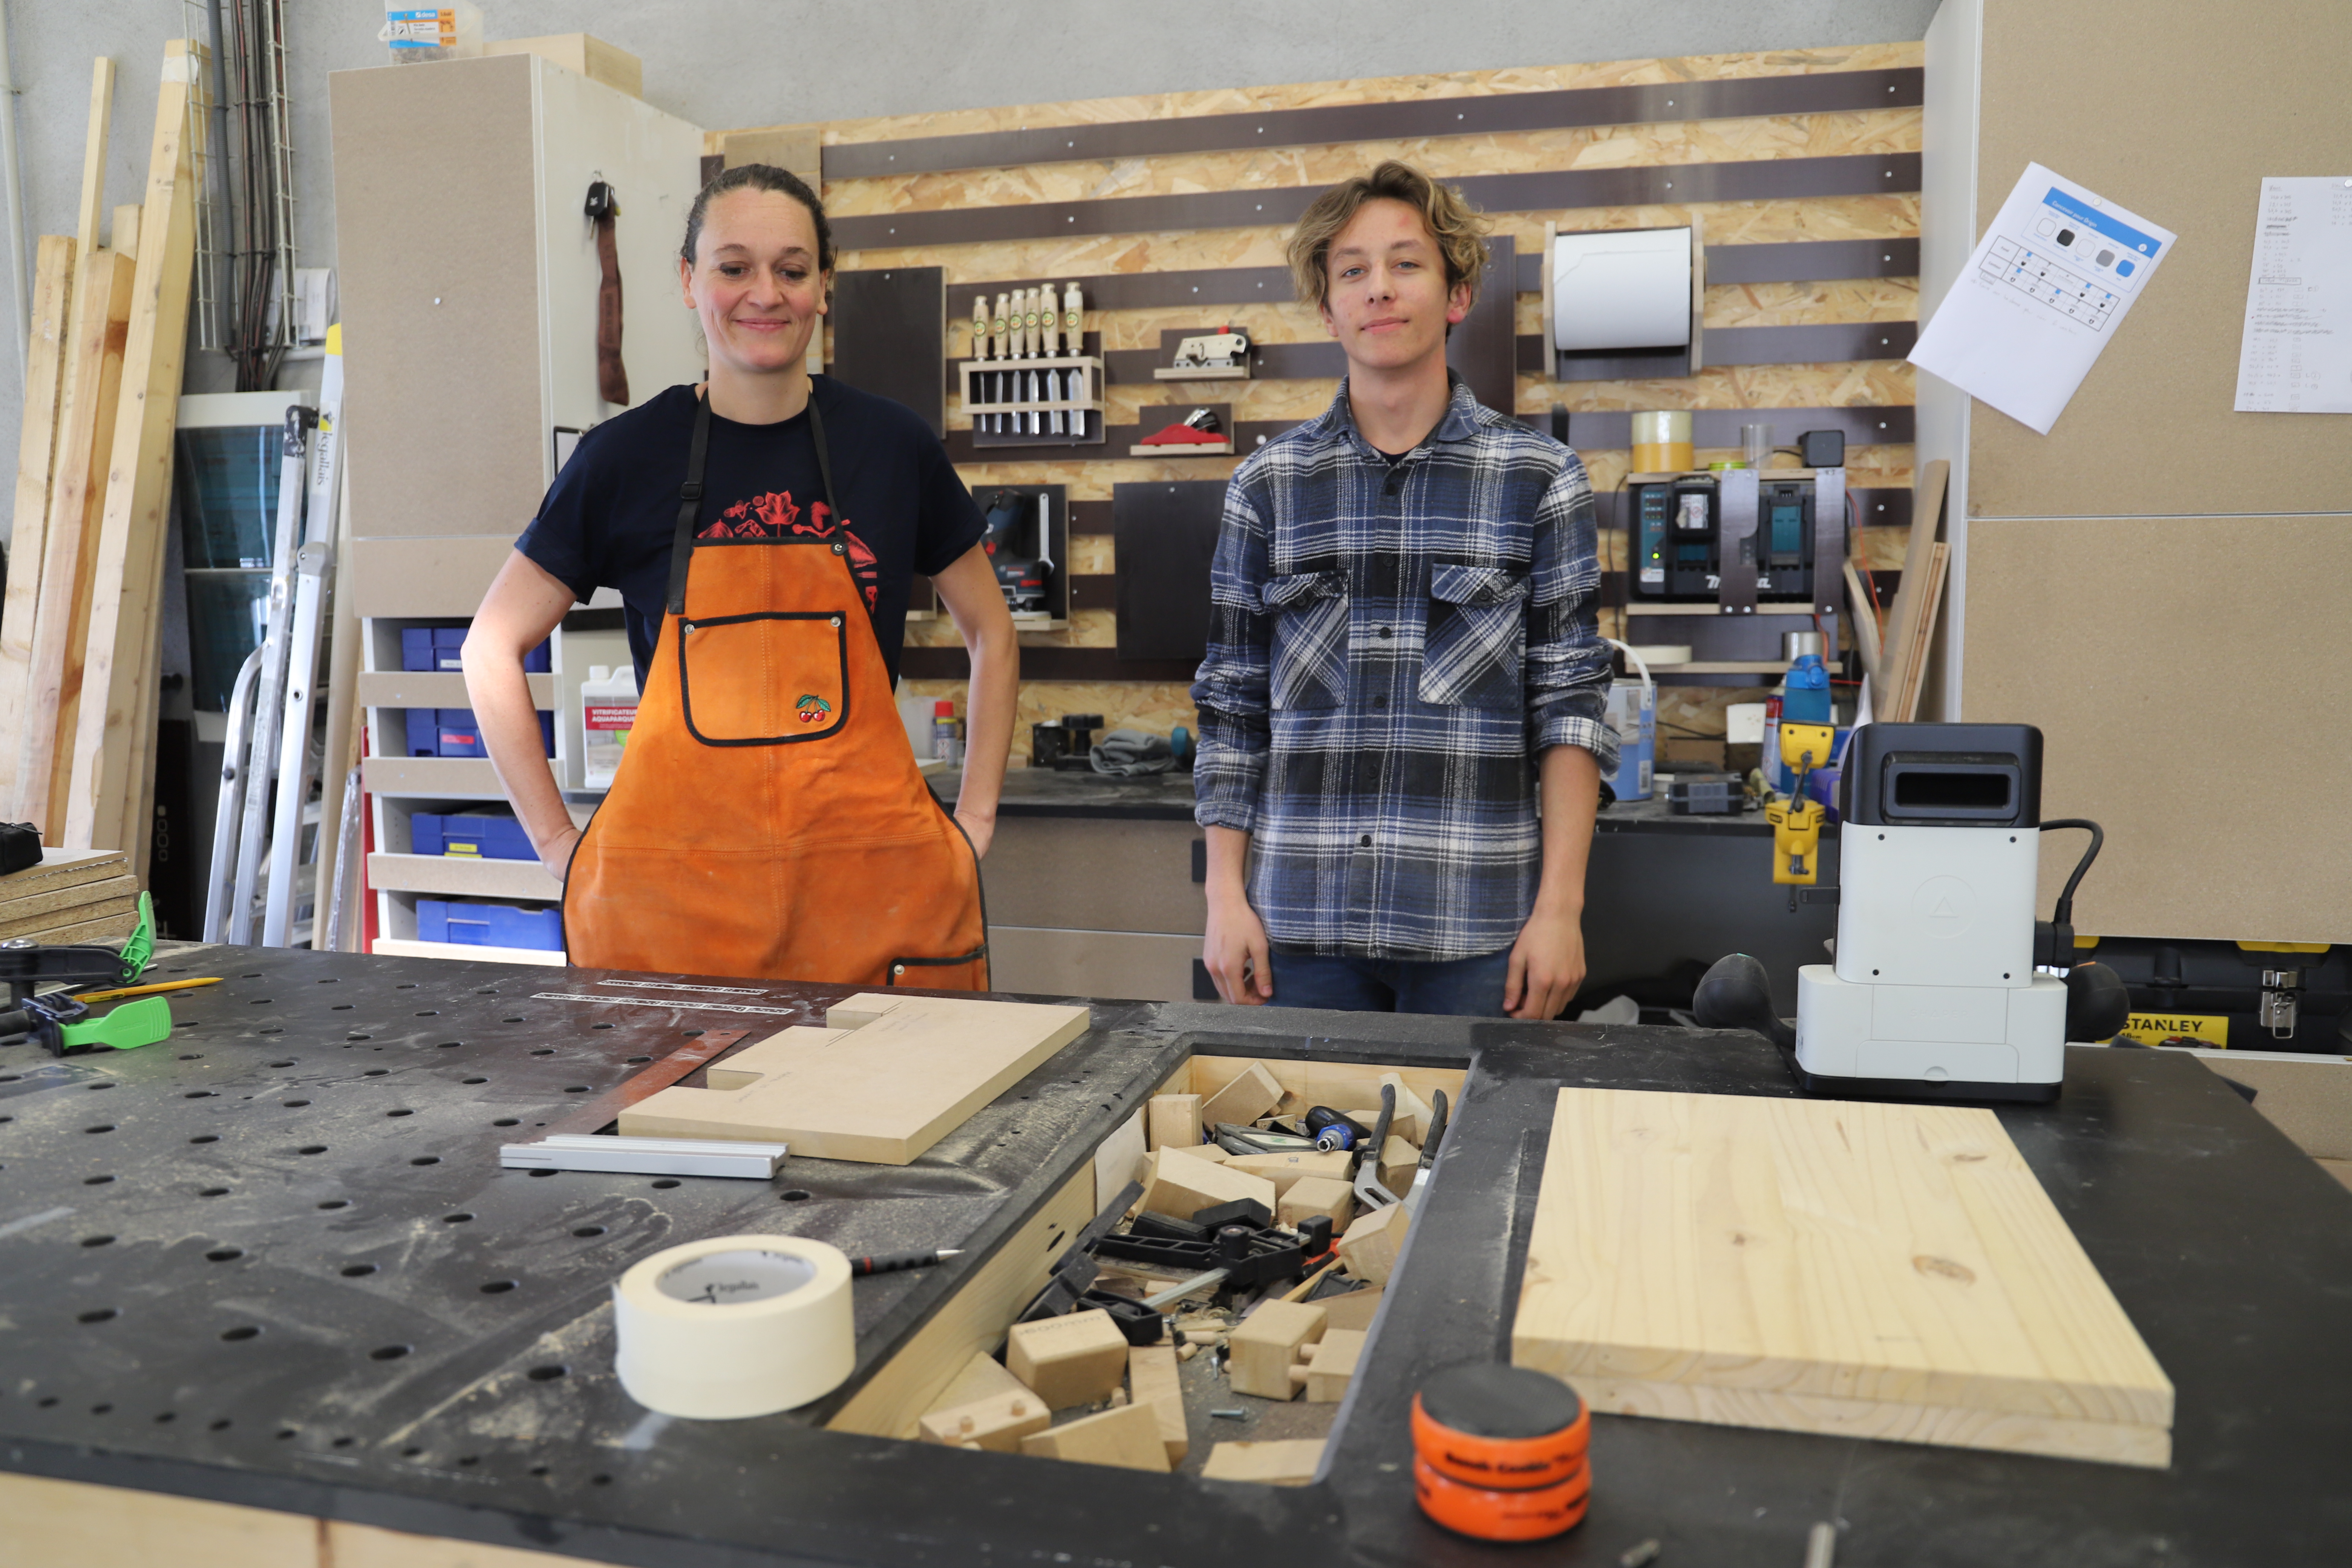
(544, 1051)
(344, 1442)
(192, 1056)
(375, 1072)
(637, 1058)
(411, 1452)
(509, 1020)
(546, 1373)
(166, 1417)
(600, 1026)
(508, 1121)
(405, 985)
(273, 1030)
(212, 1192)
(206, 1138)
(458, 1218)
(46, 1402)
(96, 1181)
(336, 1203)
(94, 1088)
(311, 1149)
(101, 1127)
(449, 1045)
(496, 1287)
(359, 1270)
(430, 1013)
(99, 1315)
(97, 1240)
(281, 1064)
(284, 1434)
(360, 1037)
(401, 1112)
(586, 1230)
(100, 1409)
(796, 1196)
(241, 1334)
(261, 1001)
(569, 1088)
(426, 1160)
(538, 1469)
(294, 1104)
(248, 977)
(223, 1425)
(467, 1461)
(340, 1007)
(388, 1353)
(600, 1480)
(224, 1254)
(197, 1094)
(473, 1080)
(666, 1182)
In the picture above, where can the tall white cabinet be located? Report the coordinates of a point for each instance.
(470, 277)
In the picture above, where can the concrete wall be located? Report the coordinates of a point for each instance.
(722, 63)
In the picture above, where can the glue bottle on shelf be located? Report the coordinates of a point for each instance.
(608, 711)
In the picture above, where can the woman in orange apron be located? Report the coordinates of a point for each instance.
(768, 818)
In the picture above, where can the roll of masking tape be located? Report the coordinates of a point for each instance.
(735, 1326)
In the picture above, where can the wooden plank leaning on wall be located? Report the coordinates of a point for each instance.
(37, 446)
(119, 674)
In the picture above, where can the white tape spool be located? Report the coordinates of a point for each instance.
(735, 1326)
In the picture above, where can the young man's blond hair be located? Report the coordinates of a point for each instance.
(1458, 229)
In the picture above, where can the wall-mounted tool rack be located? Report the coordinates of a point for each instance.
(1088, 408)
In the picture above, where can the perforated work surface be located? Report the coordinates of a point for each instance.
(281, 1240)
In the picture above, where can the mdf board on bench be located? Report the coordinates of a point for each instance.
(884, 1080)
(1852, 1270)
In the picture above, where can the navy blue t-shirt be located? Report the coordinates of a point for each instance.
(609, 518)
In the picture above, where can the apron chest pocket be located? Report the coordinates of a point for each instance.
(769, 680)
(1476, 640)
(1310, 638)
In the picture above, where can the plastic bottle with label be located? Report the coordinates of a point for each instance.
(608, 711)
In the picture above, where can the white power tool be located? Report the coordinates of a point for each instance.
(1938, 990)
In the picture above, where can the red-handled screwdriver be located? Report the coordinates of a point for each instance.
(891, 1262)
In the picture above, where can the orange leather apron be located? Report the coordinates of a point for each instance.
(767, 819)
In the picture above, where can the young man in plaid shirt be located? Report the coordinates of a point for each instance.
(1403, 655)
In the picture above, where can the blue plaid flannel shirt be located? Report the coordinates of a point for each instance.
(1390, 650)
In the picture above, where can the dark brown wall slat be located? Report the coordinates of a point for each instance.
(1818, 342)
(1760, 179)
(1089, 517)
(1613, 430)
(1803, 261)
(1735, 97)
(1093, 591)
(1046, 664)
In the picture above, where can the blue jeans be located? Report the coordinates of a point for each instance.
(1470, 987)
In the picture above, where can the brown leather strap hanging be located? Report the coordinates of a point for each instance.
(611, 375)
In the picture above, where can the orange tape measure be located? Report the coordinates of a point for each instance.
(1500, 1452)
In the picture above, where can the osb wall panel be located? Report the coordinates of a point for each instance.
(1090, 473)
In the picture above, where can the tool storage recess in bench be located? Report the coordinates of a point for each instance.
(1864, 1271)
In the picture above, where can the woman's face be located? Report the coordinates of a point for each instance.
(754, 282)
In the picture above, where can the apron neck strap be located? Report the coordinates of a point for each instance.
(689, 494)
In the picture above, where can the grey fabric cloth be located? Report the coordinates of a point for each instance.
(1132, 755)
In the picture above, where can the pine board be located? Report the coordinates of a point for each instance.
(53, 279)
(889, 1077)
(118, 677)
(62, 869)
(59, 896)
(1881, 1270)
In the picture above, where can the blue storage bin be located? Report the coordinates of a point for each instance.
(441, 648)
(473, 924)
(488, 835)
(451, 732)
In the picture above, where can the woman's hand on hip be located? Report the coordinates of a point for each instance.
(980, 830)
(556, 853)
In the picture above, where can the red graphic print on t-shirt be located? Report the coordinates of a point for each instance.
(775, 515)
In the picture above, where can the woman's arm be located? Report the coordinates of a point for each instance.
(976, 603)
(524, 605)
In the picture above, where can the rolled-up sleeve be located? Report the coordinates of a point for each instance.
(1567, 666)
(1231, 688)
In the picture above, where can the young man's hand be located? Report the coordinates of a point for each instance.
(1234, 952)
(1546, 964)
(1234, 949)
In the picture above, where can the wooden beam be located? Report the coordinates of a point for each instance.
(124, 240)
(35, 448)
(127, 580)
(85, 453)
(93, 157)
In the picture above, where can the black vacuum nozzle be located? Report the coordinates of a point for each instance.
(1738, 995)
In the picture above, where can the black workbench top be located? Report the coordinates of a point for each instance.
(1168, 797)
(314, 1156)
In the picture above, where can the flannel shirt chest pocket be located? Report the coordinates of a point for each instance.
(1310, 639)
(1475, 640)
